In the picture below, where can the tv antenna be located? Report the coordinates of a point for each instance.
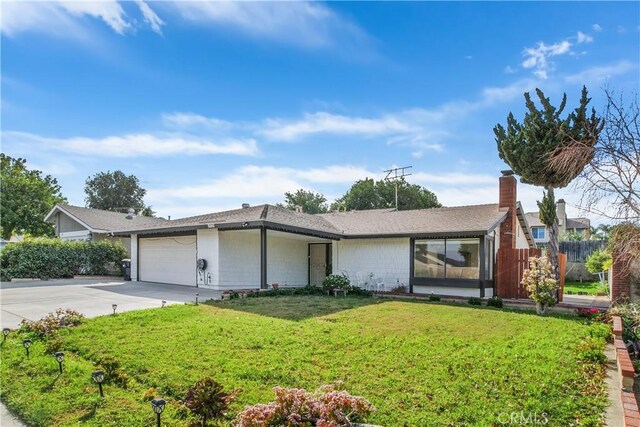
(395, 175)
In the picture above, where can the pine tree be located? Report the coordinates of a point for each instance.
(531, 149)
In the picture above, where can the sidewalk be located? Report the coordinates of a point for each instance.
(8, 420)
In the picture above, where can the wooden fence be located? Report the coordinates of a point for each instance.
(580, 251)
(510, 267)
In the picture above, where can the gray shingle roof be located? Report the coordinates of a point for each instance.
(105, 221)
(460, 219)
(578, 223)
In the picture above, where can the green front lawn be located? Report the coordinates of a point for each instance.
(420, 364)
(592, 288)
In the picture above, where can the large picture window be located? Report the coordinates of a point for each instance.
(447, 258)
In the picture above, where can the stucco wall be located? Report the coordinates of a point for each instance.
(134, 257)
(387, 259)
(287, 262)
(208, 249)
(239, 255)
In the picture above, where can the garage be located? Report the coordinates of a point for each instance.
(169, 260)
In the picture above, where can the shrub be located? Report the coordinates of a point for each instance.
(495, 301)
(335, 281)
(598, 262)
(5, 276)
(400, 289)
(52, 322)
(54, 258)
(294, 407)
(474, 301)
(539, 281)
(208, 400)
(433, 297)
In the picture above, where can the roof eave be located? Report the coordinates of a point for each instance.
(58, 207)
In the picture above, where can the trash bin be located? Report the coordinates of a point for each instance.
(126, 269)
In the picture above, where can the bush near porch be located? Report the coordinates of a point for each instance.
(46, 258)
(419, 363)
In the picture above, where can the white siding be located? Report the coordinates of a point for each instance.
(387, 259)
(168, 260)
(239, 254)
(208, 249)
(134, 257)
(287, 261)
(521, 239)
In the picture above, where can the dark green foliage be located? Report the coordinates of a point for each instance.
(369, 194)
(528, 146)
(27, 197)
(54, 258)
(474, 301)
(208, 400)
(307, 290)
(434, 297)
(115, 191)
(548, 208)
(311, 203)
(335, 281)
(495, 301)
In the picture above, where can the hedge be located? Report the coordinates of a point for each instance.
(54, 258)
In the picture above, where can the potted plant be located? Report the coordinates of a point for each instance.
(539, 281)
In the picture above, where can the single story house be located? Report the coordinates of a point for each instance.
(541, 233)
(449, 251)
(77, 223)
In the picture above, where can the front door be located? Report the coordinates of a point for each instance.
(318, 262)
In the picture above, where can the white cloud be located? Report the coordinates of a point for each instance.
(621, 29)
(538, 57)
(150, 17)
(509, 70)
(322, 122)
(597, 27)
(453, 179)
(190, 120)
(601, 73)
(302, 23)
(584, 38)
(264, 183)
(135, 145)
(66, 18)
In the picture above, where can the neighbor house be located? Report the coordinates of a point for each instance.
(540, 231)
(448, 251)
(77, 223)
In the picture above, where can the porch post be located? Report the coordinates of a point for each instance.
(263, 258)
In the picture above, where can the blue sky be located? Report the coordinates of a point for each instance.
(214, 104)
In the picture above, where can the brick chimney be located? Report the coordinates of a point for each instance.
(507, 202)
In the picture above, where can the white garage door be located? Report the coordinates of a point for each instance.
(168, 260)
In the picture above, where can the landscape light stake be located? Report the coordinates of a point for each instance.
(163, 303)
(59, 357)
(115, 307)
(197, 295)
(5, 332)
(157, 405)
(98, 376)
(26, 343)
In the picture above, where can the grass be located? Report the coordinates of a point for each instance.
(419, 363)
(592, 288)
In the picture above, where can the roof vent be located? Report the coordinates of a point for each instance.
(131, 213)
(298, 209)
(246, 206)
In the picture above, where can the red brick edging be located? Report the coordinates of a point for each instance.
(627, 375)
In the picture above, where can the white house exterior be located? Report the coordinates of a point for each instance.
(448, 251)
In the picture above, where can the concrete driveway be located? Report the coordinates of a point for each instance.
(33, 299)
